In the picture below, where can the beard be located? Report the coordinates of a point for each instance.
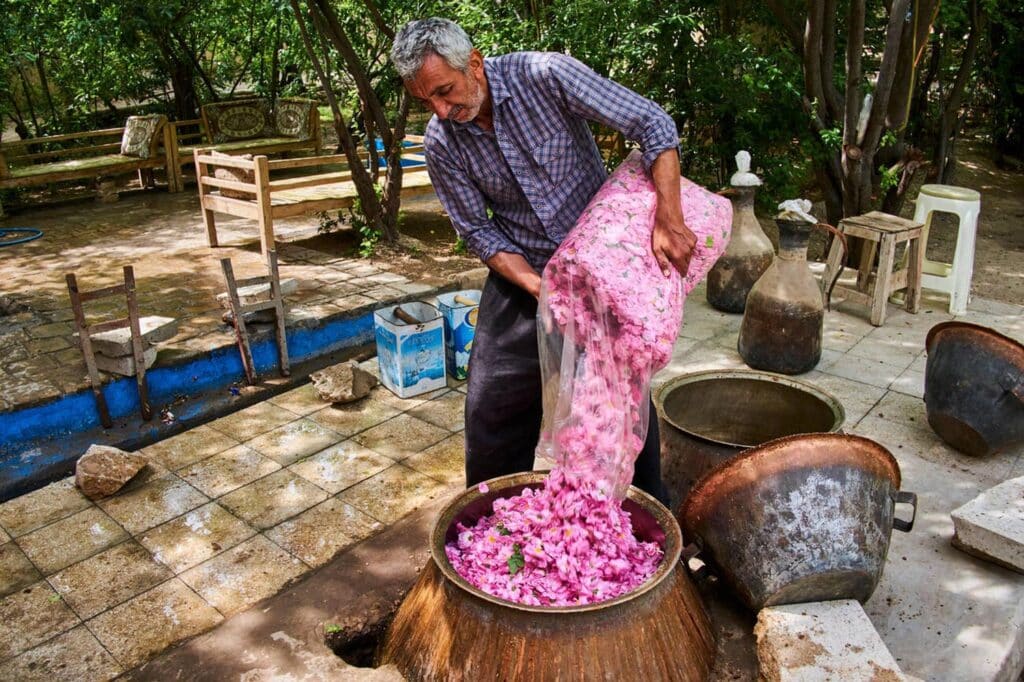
(464, 113)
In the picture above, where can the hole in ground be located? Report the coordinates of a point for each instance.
(356, 639)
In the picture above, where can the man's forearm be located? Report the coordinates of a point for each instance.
(665, 173)
(517, 270)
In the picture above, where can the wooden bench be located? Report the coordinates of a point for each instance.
(288, 197)
(91, 154)
(249, 126)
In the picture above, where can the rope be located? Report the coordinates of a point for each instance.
(18, 235)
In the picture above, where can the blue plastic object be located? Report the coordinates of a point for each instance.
(9, 236)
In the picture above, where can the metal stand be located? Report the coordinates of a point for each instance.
(238, 311)
(86, 330)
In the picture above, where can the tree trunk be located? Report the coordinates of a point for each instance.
(28, 101)
(949, 122)
(45, 85)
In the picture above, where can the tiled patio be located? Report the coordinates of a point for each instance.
(231, 511)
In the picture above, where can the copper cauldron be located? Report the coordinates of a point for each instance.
(974, 388)
(799, 519)
(446, 629)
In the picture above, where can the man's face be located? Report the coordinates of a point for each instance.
(450, 93)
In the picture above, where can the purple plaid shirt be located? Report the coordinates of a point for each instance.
(520, 187)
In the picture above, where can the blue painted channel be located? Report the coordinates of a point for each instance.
(22, 458)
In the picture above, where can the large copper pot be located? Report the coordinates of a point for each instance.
(802, 518)
(446, 629)
(974, 388)
(707, 418)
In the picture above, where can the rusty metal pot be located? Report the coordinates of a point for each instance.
(974, 388)
(802, 518)
(707, 418)
(446, 629)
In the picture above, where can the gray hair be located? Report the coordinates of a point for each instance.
(423, 37)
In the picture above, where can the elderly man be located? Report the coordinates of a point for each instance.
(514, 164)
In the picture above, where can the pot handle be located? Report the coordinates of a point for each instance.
(692, 551)
(903, 497)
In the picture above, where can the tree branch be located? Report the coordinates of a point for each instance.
(828, 61)
(886, 73)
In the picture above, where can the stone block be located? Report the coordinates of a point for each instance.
(991, 526)
(831, 640)
(258, 292)
(345, 382)
(118, 342)
(124, 365)
(103, 470)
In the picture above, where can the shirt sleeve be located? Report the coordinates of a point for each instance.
(464, 203)
(598, 99)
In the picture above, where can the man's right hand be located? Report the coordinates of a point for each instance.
(517, 270)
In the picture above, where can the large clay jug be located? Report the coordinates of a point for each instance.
(749, 252)
(784, 315)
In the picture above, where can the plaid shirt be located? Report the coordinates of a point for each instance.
(520, 187)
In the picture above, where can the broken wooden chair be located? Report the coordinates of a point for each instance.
(239, 310)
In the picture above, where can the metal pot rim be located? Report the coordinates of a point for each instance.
(706, 493)
(672, 547)
(1014, 347)
(838, 412)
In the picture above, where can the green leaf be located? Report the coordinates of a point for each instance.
(709, 242)
(502, 530)
(516, 561)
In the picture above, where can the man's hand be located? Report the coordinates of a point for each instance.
(672, 243)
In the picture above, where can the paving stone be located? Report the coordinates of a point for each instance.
(901, 408)
(125, 365)
(152, 622)
(16, 571)
(293, 441)
(317, 534)
(393, 493)
(225, 471)
(109, 578)
(150, 505)
(866, 370)
(31, 616)
(302, 400)
(44, 331)
(401, 437)
(118, 342)
(70, 540)
(252, 421)
(447, 411)
(832, 640)
(190, 447)
(445, 461)
(856, 398)
(352, 418)
(910, 382)
(243, 575)
(272, 499)
(341, 466)
(991, 526)
(103, 470)
(191, 539)
(75, 655)
(48, 345)
(898, 353)
(256, 293)
(344, 382)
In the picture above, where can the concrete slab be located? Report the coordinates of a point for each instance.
(125, 365)
(991, 526)
(258, 292)
(831, 640)
(118, 342)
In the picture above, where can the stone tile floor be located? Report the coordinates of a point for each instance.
(163, 237)
(231, 511)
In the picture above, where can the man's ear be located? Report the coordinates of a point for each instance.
(476, 63)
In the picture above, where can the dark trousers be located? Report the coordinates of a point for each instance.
(504, 406)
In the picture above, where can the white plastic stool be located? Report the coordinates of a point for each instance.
(952, 278)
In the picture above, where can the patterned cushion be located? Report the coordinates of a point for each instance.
(139, 132)
(291, 118)
(238, 174)
(241, 120)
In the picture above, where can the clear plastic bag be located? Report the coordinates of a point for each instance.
(608, 320)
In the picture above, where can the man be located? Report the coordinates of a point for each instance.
(514, 164)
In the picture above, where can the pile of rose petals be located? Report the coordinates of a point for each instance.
(564, 544)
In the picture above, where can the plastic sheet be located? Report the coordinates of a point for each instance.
(609, 319)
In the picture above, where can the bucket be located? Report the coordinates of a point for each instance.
(459, 310)
(706, 418)
(410, 348)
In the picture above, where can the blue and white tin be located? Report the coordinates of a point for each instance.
(410, 356)
(459, 310)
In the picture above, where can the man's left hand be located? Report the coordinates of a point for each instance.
(672, 243)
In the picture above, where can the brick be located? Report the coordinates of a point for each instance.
(124, 365)
(118, 342)
(991, 526)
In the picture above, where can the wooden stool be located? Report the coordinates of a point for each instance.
(883, 231)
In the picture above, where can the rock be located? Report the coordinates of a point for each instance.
(258, 292)
(118, 342)
(256, 317)
(343, 383)
(124, 365)
(991, 526)
(831, 640)
(103, 470)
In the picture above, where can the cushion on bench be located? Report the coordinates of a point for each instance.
(139, 133)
